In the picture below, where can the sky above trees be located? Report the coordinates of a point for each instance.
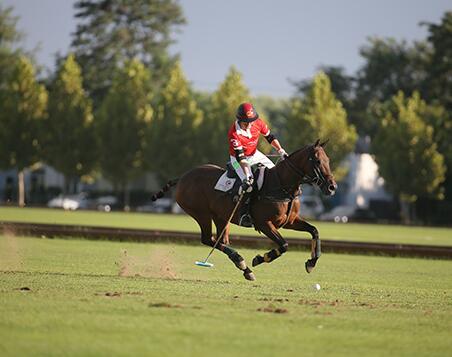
(268, 43)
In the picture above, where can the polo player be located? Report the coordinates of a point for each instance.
(243, 137)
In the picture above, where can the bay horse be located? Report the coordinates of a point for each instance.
(274, 206)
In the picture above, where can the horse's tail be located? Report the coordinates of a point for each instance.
(164, 189)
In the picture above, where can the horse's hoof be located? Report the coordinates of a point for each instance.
(258, 259)
(310, 264)
(249, 276)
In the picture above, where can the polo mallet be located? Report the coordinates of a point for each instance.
(205, 262)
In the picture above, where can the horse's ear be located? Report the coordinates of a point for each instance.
(324, 143)
(317, 143)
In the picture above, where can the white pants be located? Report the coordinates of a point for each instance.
(257, 158)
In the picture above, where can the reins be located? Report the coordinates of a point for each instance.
(318, 178)
(296, 170)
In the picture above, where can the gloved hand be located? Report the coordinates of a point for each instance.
(282, 153)
(247, 185)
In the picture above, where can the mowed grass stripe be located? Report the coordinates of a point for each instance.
(349, 232)
(124, 298)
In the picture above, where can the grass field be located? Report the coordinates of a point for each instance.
(91, 298)
(335, 231)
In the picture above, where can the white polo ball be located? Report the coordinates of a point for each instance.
(316, 287)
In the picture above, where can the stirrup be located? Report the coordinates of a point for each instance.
(246, 221)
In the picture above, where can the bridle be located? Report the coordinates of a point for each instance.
(315, 178)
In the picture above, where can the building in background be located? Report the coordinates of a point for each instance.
(42, 183)
(362, 194)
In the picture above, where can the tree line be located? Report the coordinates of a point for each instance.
(401, 98)
(118, 105)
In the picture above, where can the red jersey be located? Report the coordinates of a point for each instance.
(246, 140)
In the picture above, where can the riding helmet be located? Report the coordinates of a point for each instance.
(246, 113)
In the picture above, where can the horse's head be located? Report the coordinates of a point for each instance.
(320, 171)
(313, 166)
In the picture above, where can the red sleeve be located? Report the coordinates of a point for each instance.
(234, 142)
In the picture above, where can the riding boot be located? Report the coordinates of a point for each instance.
(245, 216)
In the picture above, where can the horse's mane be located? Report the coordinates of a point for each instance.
(304, 148)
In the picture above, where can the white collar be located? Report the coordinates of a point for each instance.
(242, 132)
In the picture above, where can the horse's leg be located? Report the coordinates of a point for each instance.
(271, 232)
(232, 254)
(205, 223)
(300, 225)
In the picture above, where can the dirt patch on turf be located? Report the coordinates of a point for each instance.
(164, 304)
(274, 299)
(159, 264)
(273, 309)
(10, 256)
(126, 264)
(118, 294)
(172, 306)
(317, 303)
(114, 294)
(109, 294)
(364, 304)
(335, 303)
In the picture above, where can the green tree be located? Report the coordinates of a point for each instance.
(113, 31)
(24, 104)
(440, 120)
(439, 89)
(341, 84)
(9, 39)
(389, 66)
(70, 145)
(121, 124)
(321, 115)
(440, 66)
(405, 150)
(219, 117)
(275, 111)
(174, 135)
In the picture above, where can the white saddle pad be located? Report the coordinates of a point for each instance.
(226, 183)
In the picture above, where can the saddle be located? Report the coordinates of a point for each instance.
(230, 182)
